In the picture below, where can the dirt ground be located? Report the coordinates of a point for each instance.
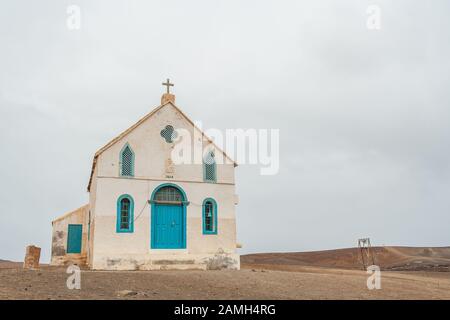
(252, 282)
(407, 273)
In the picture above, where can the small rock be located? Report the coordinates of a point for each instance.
(126, 293)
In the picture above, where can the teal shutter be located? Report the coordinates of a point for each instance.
(127, 161)
(74, 236)
(209, 168)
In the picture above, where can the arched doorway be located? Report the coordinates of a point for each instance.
(168, 225)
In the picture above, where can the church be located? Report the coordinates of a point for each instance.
(149, 212)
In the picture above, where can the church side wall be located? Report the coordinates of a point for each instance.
(91, 217)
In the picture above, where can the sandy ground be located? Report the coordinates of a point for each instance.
(407, 273)
(252, 282)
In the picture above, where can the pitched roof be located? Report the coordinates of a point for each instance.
(147, 116)
(70, 213)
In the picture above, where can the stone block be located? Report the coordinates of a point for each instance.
(32, 256)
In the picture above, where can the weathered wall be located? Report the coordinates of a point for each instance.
(112, 250)
(91, 217)
(32, 256)
(109, 243)
(152, 151)
(59, 237)
(168, 261)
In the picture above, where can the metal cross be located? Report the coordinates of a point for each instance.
(168, 85)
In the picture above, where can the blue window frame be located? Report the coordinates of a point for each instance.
(125, 214)
(209, 214)
(126, 162)
(209, 167)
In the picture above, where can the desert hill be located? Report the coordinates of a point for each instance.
(388, 258)
(9, 264)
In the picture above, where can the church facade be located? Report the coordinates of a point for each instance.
(146, 212)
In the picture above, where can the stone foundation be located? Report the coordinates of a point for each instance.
(217, 261)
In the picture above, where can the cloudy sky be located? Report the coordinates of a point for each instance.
(363, 114)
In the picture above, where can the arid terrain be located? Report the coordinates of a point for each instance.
(408, 273)
(387, 258)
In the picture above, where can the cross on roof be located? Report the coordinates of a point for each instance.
(168, 85)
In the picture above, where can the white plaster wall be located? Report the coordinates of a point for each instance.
(92, 202)
(151, 152)
(108, 241)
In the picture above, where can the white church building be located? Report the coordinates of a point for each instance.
(148, 212)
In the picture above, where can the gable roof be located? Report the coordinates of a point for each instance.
(140, 121)
(68, 214)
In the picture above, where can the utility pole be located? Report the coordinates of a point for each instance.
(365, 252)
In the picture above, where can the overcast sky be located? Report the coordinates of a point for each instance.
(363, 114)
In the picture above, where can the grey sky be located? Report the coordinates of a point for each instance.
(363, 115)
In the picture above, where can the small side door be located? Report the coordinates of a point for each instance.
(74, 235)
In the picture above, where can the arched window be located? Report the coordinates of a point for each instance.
(209, 167)
(209, 216)
(125, 214)
(127, 161)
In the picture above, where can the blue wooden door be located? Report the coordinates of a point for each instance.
(74, 234)
(168, 227)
